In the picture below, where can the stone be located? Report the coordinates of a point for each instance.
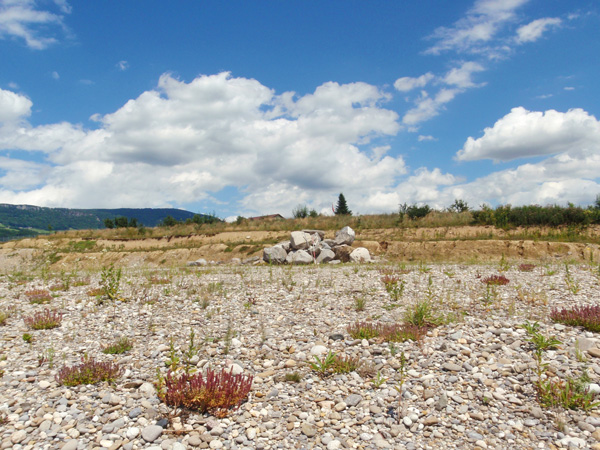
(595, 352)
(452, 367)
(178, 446)
(70, 445)
(308, 429)
(345, 236)
(360, 255)
(274, 255)
(132, 433)
(319, 233)
(353, 400)
(300, 240)
(148, 389)
(18, 436)
(299, 257)
(325, 256)
(151, 433)
(318, 350)
(342, 253)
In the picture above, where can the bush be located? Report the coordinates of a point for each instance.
(121, 346)
(587, 317)
(496, 280)
(38, 296)
(44, 320)
(215, 392)
(89, 371)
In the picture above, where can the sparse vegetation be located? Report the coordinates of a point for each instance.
(496, 280)
(587, 316)
(44, 320)
(89, 371)
(122, 345)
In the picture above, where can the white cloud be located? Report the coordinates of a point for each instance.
(122, 65)
(461, 77)
(406, 84)
(474, 32)
(534, 30)
(569, 88)
(23, 20)
(422, 138)
(55, 75)
(523, 133)
(182, 142)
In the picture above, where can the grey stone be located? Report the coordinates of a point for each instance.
(70, 445)
(299, 257)
(151, 433)
(325, 256)
(274, 255)
(300, 240)
(353, 400)
(345, 236)
(342, 252)
(451, 367)
(308, 429)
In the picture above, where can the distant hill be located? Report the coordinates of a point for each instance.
(28, 220)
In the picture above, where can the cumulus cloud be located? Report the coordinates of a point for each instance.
(461, 77)
(183, 142)
(22, 19)
(474, 32)
(523, 133)
(534, 30)
(406, 84)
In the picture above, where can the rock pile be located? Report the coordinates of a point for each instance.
(310, 246)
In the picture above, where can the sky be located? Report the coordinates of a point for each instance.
(254, 107)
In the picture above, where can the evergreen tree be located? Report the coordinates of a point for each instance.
(109, 223)
(342, 207)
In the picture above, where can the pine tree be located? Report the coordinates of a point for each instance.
(342, 207)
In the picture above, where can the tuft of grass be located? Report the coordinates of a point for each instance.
(397, 332)
(89, 371)
(360, 303)
(4, 315)
(421, 315)
(217, 393)
(123, 345)
(587, 317)
(569, 394)
(496, 280)
(346, 364)
(293, 377)
(44, 320)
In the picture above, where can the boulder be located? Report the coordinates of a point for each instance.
(321, 233)
(325, 256)
(342, 252)
(198, 262)
(274, 255)
(299, 257)
(345, 236)
(300, 240)
(359, 255)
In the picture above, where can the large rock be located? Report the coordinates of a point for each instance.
(345, 236)
(325, 256)
(299, 257)
(359, 255)
(321, 233)
(299, 240)
(342, 252)
(274, 255)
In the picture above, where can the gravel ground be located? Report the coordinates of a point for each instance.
(467, 384)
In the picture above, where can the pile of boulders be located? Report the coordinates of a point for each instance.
(310, 246)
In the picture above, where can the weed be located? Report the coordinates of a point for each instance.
(496, 280)
(28, 338)
(503, 265)
(4, 315)
(44, 320)
(172, 363)
(89, 371)
(527, 267)
(400, 384)
(572, 284)
(421, 315)
(323, 366)
(38, 296)
(364, 330)
(378, 380)
(393, 349)
(346, 364)
(532, 297)
(110, 280)
(387, 332)
(587, 317)
(360, 303)
(47, 357)
(123, 345)
(214, 392)
(229, 334)
(293, 377)
(490, 295)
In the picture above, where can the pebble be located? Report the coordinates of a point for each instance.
(151, 433)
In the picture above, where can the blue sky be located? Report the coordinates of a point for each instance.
(248, 108)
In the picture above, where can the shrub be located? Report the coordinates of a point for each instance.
(38, 296)
(421, 315)
(44, 320)
(215, 392)
(110, 279)
(570, 394)
(496, 280)
(89, 371)
(121, 346)
(587, 317)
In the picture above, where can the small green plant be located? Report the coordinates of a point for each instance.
(490, 295)
(360, 303)
(393, 349)
(28, 338)
(496, 280)
(4, 315)
(89, 371)
(323, 366)
(399, 386)
(229, 334)
(44, 320)
(47, 357)
(378, 380)
(421, 315)
(217, 393)
(346, 364)
(572, 284)
(122, 345)
(293, 377)
(172, 363)
(110, 281)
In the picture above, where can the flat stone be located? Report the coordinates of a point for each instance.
(595, 352)
(451, 367)
(70, 445)
(308, 429)
(353, 400)
(151, 433)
